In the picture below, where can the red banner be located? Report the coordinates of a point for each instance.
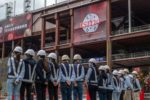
(16, 27)
(90, 22)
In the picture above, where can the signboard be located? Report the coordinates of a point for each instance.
(16, 27)
(90, 22)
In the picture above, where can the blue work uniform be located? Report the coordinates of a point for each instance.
(54, 77)
(128, 88)
(91, 78)
(79, 77)
(28, 80)
(67, 74)
(16, 71)
(116, 88)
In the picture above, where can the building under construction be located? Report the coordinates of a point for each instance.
(115, 32)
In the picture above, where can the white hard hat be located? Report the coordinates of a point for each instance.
(126, 70)
(92, 60)
(77, 57)
(101, 67)
(121, 72)
(115, 72)
(65, 57)
(130, 75)
(134, 72)
(30, 52)
(18, 49)
(52, 55)
(41, 53)
(107, 67)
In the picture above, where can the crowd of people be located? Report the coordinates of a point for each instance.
(27, 74)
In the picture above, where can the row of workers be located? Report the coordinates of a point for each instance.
(26, 74)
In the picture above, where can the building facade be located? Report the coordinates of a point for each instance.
(115, 32)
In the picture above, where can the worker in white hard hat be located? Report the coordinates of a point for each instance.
(136, 86)
(79, 77)
(28, 79)
(116, 85)
(54, 78)
(91, 78)
(42, 74)
(102, 83)
(122, 83)
(128, 85)
(109, 82)
(67, 78)
(16, 70)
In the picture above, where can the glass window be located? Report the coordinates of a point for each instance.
(2, 12)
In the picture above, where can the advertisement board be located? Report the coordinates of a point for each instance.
(90, 22)
(16, 27)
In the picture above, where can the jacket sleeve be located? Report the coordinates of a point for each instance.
(89, 72)
(59, 76)
(9, 65)
(82, 74)
(21, 75)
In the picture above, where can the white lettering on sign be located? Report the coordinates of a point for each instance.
(90, 23)
(10, 29)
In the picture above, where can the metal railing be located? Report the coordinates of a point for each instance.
(64, 42)
(49, 44)
(133, 29)
(130, 55)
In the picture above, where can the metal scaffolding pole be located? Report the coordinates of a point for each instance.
(129, 16)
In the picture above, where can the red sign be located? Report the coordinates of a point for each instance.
(16, 27)
(90, 22)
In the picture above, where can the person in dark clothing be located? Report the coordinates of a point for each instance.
(91, 79)
(42, 74)
(102, 79)
(29, 76)
(54, 79)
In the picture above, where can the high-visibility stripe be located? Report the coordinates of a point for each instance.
(16, 73)
(68, 75)
(55, 77)
(78, 69)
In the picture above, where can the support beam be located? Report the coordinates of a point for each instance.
(129, 16)
(72, 37)
(57, 33)
(72, 26)
(43, 34)
(57, 53)
(71, 54)
(108, 33)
